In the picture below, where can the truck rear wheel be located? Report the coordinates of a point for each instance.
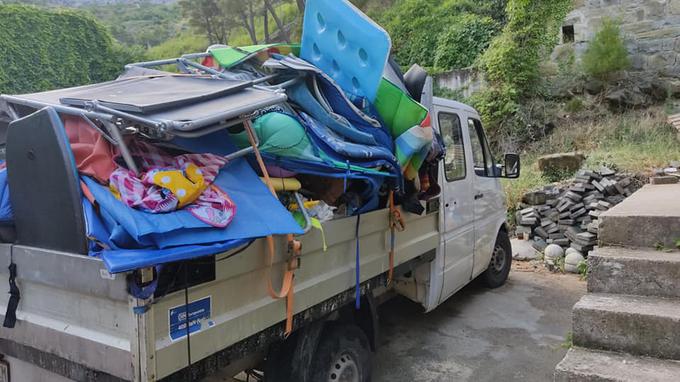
(343, 355)
(501, 260)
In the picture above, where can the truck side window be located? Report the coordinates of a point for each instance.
(481, 155)
(452, 134)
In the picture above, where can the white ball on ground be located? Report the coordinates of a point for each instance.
(553, 252)
(572, 260)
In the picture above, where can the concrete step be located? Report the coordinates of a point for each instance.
(584, 365)
(648, 217)
(644, 272)
(639, 325)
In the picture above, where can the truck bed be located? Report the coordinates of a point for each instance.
(77, 320)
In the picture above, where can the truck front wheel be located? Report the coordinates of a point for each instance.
(501, 261)
(343, 355)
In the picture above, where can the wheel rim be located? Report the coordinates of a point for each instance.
(498, 259)
(344, 369)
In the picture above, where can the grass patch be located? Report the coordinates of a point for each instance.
(582, 268)
(568, 341)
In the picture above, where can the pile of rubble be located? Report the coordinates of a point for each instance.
(567, 215)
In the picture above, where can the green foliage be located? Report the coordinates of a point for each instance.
(511, 64)
(175, 47)
(213, 18)
(288, 13)
(531, 32)
(553, 175)
(582, 268)
(568, 341)
(421, 28)
(574, 105)
(47, 49)
(144, 23)
(241, 22)
(414, 28)
(568, 78)
(463, 40)
(455, 95)
(495, 103)
(559, 264)
(606, 53)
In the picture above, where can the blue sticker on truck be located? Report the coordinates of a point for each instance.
(199, 312)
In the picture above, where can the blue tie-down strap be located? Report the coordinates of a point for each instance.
(136, 239)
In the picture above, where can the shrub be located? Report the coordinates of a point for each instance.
(175, 47)
(416, 26)
(512, 70)
(463, 40)
(574, 105)
(47, 49)
(568, 78)
(606, 53)
(513, 57)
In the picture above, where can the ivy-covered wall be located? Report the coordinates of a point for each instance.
(45, 49)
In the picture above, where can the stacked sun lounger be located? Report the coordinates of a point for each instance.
(174, 165)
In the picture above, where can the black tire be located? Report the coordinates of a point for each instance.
(343, 354)
(501, 261)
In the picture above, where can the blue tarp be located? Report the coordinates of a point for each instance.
(118, 261)
(178, 235)
(6, 213)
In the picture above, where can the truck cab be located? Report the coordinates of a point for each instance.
(472, 209)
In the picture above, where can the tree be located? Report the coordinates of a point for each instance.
(283, 32)
(246, 11)
(606, 53)
(217, 18)
(209, 17)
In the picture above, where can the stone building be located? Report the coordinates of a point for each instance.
(651, 30)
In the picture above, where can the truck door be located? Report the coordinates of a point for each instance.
(458, 233)
(487, 195)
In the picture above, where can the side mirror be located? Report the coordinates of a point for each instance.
(511, 167)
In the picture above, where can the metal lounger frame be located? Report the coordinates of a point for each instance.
(111, 118)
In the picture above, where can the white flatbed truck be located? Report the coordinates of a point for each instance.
(75, 321)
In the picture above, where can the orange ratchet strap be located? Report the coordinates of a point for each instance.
(396, 224)
(294, 249)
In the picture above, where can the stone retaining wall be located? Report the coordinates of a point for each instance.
(466, 81)
(651, 29)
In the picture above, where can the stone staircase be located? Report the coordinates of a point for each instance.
(627, 328)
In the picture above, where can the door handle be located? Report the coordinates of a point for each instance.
(479, 196)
